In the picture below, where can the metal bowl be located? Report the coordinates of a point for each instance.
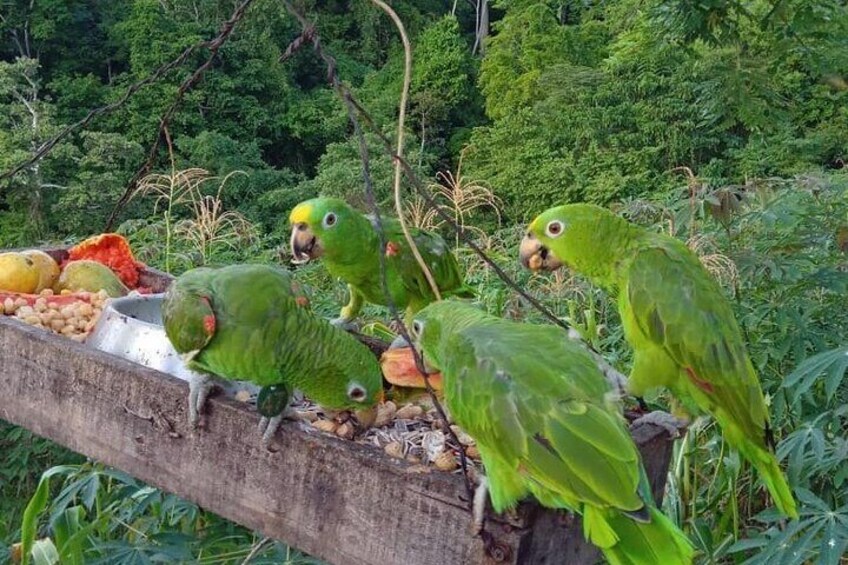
(131, 327)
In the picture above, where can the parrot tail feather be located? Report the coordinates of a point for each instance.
(769, 470)
(642, 515)
(658, 541)
(597, 528)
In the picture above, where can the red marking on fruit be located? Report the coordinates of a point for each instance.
(392, 249)
(113, 251)
(209, 323)
(698, 382)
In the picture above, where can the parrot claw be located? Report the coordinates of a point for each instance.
(478, 506)
(199, 386)
(268, 426)
(669, 423)
(343, 324)
(399, 343)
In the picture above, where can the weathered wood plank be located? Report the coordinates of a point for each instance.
(337, 500)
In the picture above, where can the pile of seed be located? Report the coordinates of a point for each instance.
(73, 319)
(413, 432)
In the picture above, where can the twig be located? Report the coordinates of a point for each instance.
(254, 551)
(305, 37)
(459, 230)
(404, 95)
(48, 145)
(352, 110)
(214, 45)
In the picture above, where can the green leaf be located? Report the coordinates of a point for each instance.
(44, 553)
(832, 363)
(65, 528)
(36, 505)
(833, 546)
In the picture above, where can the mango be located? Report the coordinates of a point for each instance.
(90, 276)
(18, 273)
(48, 268)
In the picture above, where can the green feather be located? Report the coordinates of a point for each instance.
(678, 321)
(351, 252)
(264, 333)
(539, 410)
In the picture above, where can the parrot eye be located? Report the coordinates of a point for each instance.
(329, 220)
(417, 326)
(356, 393)
(554, 228)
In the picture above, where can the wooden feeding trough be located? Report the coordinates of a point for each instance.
(338, 500)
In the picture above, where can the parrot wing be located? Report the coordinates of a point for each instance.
(523, 397)
(436, 254)
(680, 308)
(232, 321)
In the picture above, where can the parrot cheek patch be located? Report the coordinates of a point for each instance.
(209, 324)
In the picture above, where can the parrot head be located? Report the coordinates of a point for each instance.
(435, 324)
(362, 389)
(564, 235)
(325, 227)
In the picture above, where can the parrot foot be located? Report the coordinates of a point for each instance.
(669, 423)
(344, 324)
(199, 386)
(478, 506)
(268, 426)
(399, 343)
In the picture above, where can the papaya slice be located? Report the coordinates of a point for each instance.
(112, 250)
(399, 369)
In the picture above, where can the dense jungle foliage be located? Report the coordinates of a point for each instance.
(724, 123)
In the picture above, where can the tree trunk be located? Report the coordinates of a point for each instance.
(482, 31)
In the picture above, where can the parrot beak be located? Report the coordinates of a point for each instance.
(535, 256)
(304, 245)
(367, 416)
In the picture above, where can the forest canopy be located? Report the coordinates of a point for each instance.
(565, 100)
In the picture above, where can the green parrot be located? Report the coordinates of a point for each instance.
(546, 423)
(676, 318)
(349, 245)
(252, 323)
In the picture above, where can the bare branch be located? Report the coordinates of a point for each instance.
(49, 145)
(404, 95)
(213, 45)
